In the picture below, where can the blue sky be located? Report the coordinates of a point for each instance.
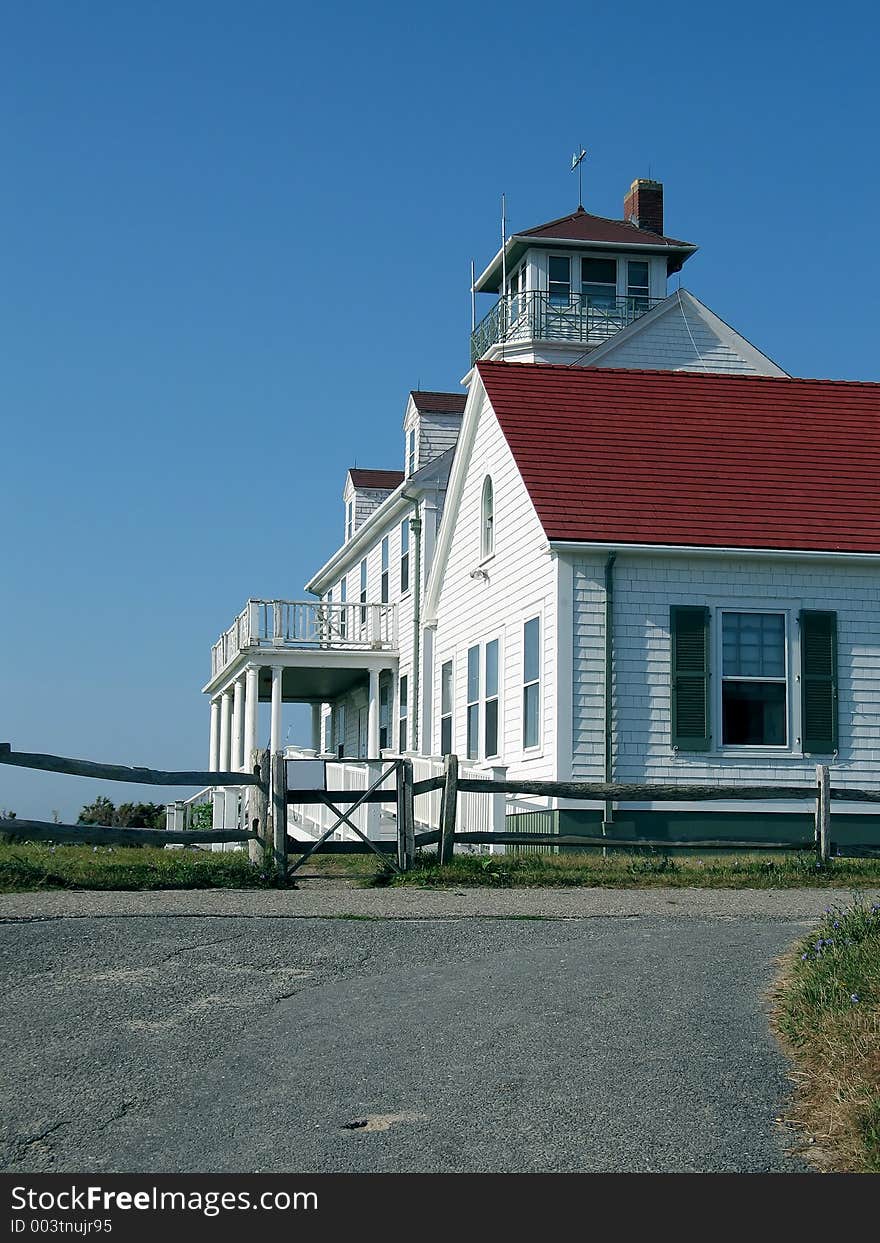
(235, 236)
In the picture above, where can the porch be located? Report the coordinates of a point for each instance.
(293, 651)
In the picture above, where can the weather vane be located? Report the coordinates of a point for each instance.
(577, 163)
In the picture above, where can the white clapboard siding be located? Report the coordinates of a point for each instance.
(645, 588)
(522, 584)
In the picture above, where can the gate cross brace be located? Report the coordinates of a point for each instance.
(346, 816)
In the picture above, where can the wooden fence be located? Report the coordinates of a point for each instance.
(258, 835)
(269, 799)
(824, 795)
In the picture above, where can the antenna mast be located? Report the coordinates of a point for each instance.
(503, 245)
(577, 163)
(473, 298)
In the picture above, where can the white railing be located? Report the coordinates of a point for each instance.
(307, 624)
(477, 813)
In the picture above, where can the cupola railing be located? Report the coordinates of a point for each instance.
(556, 317)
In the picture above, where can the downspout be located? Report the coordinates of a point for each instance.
(415, 523)
(609, 682)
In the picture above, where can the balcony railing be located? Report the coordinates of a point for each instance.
(556, 317)
(307, 624)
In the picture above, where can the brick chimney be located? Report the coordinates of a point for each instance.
(643, 205)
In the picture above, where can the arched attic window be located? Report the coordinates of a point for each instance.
(487, 519)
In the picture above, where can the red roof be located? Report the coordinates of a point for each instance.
(438, 403)
(384, 480)
(581, 226)
(662, 457)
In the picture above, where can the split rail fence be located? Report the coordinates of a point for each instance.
(267, 799)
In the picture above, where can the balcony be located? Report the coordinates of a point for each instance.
(540, 316)
(307, 625)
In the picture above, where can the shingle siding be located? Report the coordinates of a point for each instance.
(678, 340)
(645, 588)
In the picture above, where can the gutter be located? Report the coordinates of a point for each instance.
(609, 683)
(708, 550)
(415, 523)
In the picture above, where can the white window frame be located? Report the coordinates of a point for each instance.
(385, 570)
(536, 615)
(550, 294)
(613, 290)
(402, 712)
(791, 610)
(487, 699)
(404, 557)
(473, 715)
(487, 520)
(349, 520)
(411, 451)
(364, 577)
(450, 715)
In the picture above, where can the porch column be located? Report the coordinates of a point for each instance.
(316, 728)
(251, 705)
(237, 723)
(223, 765)
(275, 729)
(214, 749)
(373, 716)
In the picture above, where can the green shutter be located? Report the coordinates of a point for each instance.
(819, 681)
(689, 628)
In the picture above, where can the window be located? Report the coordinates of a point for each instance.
(404, 556)
(349, 520)
(328, 733)
(411, 452)
(343, 613)
(403, 713)
(599, 282)
(531, 682)
(473, 703)
(446, 708)
(490, 704)
(340, 730)
(487, 520)
(384, 714)
(516, 288)
(364, 592)
(637, 286)
(384, 579)
(754, 692)
(560, 280)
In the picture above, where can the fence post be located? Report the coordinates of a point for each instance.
(823, 812)
(406, 830)
(279, 814)
(448, 806)
(260, 851)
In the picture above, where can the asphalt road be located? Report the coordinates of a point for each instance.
(207, 1043)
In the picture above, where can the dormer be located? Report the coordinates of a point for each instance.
(364, 491)
(430, 426)
(566, 286)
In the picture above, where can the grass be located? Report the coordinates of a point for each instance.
(826, 1013)
(643, 871)
(30, 866)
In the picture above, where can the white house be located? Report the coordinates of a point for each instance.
(632, 548)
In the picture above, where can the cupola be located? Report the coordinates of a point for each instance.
(566, 286)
